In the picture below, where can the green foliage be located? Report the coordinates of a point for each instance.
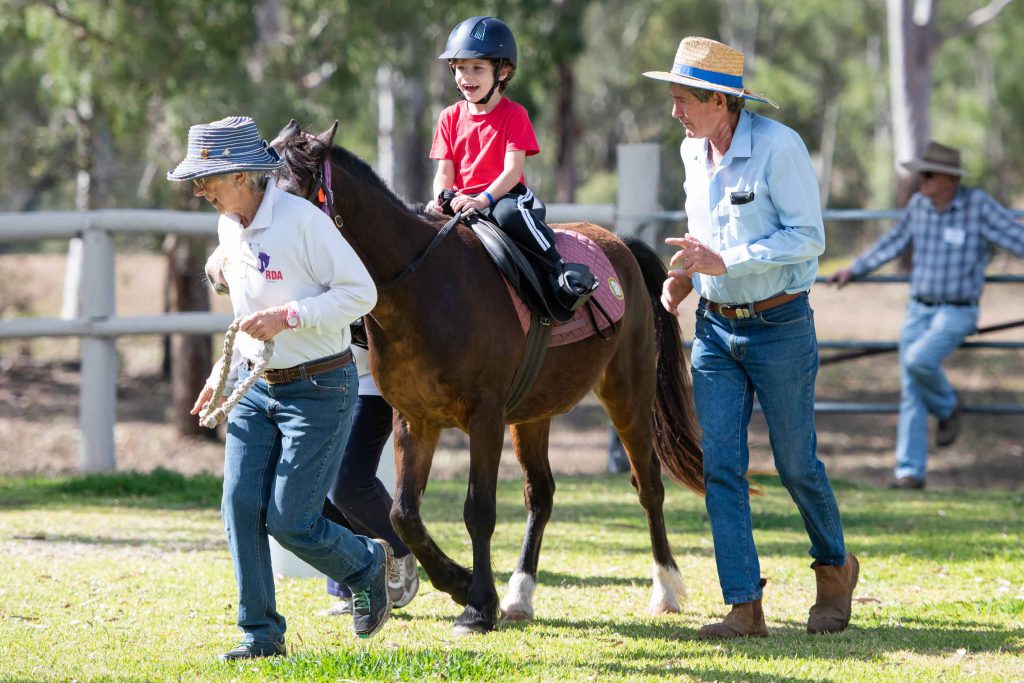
(159, 488)
(127, 577)
(88, 80)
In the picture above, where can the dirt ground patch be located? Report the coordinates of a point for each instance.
(39, 382)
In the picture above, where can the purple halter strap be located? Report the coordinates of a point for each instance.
(328, 191)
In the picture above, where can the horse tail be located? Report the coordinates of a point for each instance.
(676, 434)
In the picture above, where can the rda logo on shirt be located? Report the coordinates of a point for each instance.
(268, 274)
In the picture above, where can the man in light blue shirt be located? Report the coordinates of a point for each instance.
(755, 233)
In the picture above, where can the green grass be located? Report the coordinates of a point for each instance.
(127, 577)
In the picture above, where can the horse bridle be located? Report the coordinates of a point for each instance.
(322, 194)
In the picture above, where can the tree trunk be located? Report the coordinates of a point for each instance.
(191, 355)
(738, 28)
(386, 124)
(912, 41)
(412, 172)
(566, 135)
(829, 128)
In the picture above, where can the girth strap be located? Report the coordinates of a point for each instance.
(536, 349)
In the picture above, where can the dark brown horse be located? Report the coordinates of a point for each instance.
(445, 343)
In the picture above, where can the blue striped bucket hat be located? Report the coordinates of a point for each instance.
(709, 65)
(231, 145)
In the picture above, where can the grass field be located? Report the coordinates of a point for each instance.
(127, 577)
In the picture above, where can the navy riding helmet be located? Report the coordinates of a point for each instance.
(482, 38)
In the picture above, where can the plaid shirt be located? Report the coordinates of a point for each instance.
(950, 248)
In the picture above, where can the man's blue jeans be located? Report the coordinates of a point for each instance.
(930, 333)
(284, 446)
(773, 355)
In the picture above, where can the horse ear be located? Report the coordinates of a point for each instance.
(327, 137)
(290, 130)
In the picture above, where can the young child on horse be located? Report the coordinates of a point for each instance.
(481, 144)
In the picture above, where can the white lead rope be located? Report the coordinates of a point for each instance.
(218, 408)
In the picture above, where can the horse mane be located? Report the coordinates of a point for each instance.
(302, 155)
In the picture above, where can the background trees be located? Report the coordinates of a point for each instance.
(96, 96)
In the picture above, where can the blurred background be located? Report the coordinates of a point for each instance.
(96, 98)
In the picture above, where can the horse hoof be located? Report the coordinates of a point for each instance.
(666, 591)
(518, 602)
(517, 614)
(462, 630)
(473, 621)
(663, 608)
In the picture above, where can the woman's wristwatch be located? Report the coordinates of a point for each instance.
(293, 319)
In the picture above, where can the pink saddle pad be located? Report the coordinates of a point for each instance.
(577, 248)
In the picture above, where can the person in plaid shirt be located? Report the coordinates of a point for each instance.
(951, 229)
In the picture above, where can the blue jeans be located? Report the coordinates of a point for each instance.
(930, 333)
(357, 499)
(284, 445)
(773, 355)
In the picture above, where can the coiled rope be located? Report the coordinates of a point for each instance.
(218, 408)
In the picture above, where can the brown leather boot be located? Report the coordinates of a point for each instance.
(745, 619)
(831, 611)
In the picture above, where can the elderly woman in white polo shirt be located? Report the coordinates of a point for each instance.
(294, 279)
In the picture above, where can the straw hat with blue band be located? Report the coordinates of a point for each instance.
(710, 65)
(231, 145)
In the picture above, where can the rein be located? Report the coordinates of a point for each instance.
(322, 193)
(411, 268)
(218, 408)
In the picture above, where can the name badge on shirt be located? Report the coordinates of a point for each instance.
(954, 236)
(247, 256)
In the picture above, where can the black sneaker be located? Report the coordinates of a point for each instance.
(371, 606)
(574, 286)
(949, 428)
(251, 650)
(907, 483)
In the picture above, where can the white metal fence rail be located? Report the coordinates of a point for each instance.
(99, 326)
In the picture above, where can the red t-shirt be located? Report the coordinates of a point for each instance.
(477, 143)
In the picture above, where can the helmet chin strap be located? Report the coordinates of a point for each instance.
(487, 98)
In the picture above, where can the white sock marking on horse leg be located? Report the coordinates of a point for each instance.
(666, 591)
(518, 602)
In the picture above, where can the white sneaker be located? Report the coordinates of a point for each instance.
(341, 607)
(403, 581)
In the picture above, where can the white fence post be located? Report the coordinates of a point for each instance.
(70, 304)
(639, 172)
(97, 397)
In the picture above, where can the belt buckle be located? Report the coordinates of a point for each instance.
(741, 311)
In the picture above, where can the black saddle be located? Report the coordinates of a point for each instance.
(531, 279)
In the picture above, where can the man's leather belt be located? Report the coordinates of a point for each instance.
(313, 367)
(932, 302)
(741, 311)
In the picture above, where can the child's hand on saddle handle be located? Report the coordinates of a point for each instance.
(465, 202)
